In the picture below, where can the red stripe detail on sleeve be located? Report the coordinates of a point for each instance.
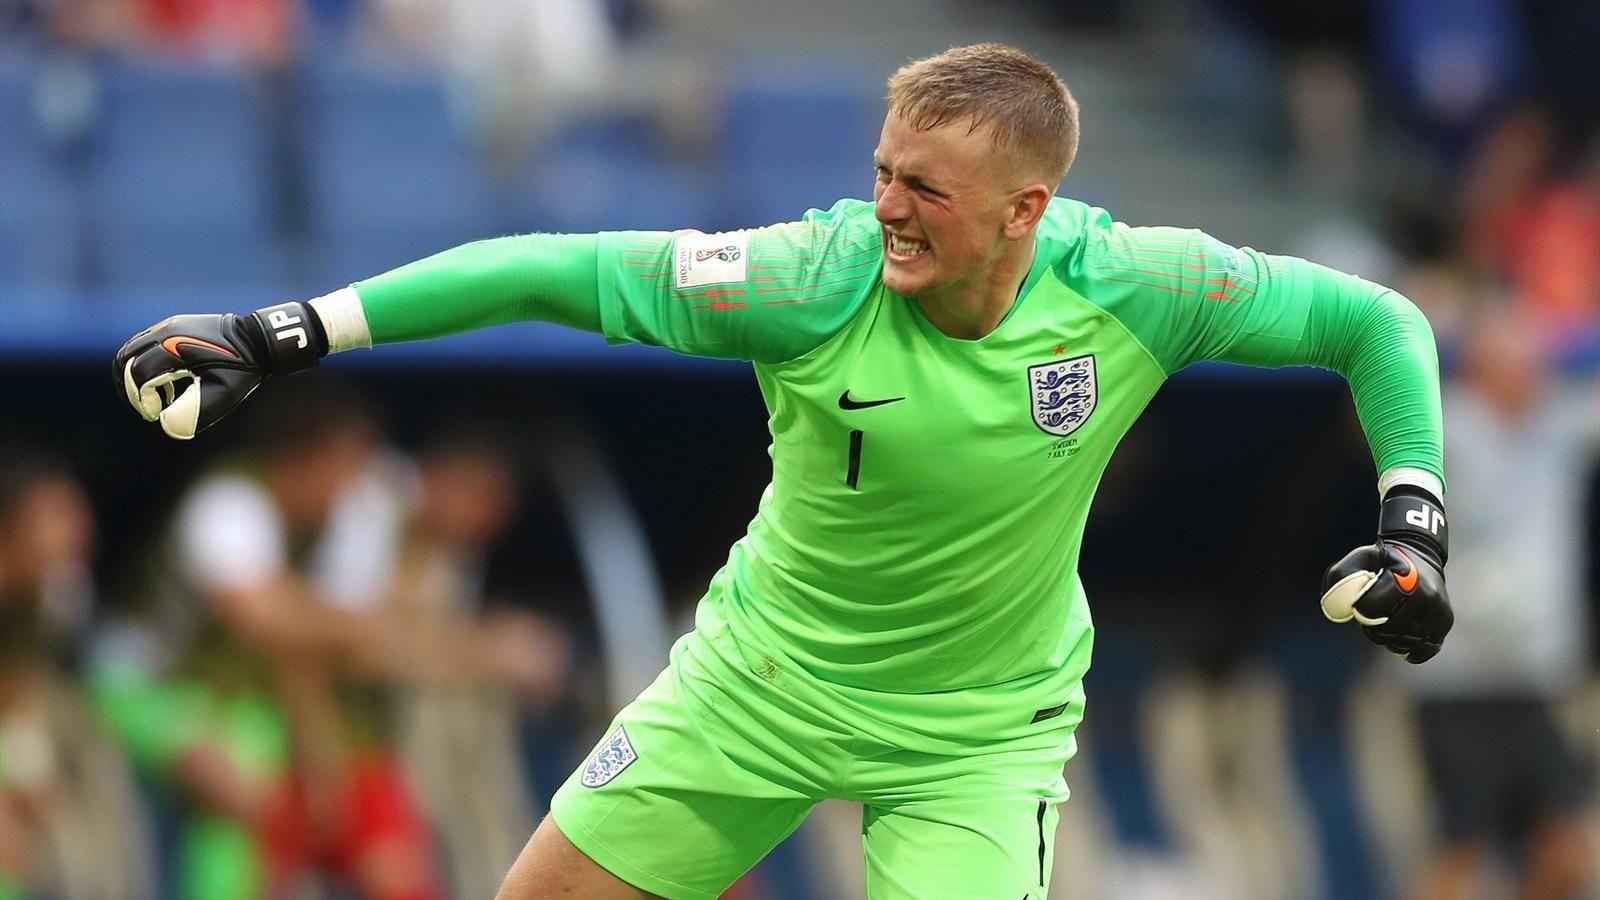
(1160, 287)
(806, 299)
(838, 268)
(1131, 249)
(1179, 276)
(1127, 237)
(1200, 265)
(819, 286)
(846, 257)
(1221, 293)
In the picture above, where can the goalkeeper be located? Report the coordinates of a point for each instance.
(947, 370)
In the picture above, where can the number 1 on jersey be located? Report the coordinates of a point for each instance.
(853, 473)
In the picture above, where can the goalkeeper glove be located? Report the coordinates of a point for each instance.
(223, 357)
(1395, 587)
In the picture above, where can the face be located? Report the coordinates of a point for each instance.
(314, 475)
(53, 527)
(947, 212)
(1505, 362)
(467, 499)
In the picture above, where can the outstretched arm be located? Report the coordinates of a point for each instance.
(1195, 298)
(532, 277)
(189, 371)
(768, 294)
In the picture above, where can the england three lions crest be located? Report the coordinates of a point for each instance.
(1062, 394)
(614, 754)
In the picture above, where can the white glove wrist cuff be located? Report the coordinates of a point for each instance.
(343, 319)
(1399, 475)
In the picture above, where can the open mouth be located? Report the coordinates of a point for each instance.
(903, 249)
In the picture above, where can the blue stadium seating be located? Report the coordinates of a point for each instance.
(39, 201)
(792, 140)
(611, 172)
(180, 179)
(777, 116)
(391, 171)
(763, 194)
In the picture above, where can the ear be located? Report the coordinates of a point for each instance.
(1027, 208)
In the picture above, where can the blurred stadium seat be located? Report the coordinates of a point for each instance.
(180, 178)
(773, 164)
(392, 174)
(38, 207)
(611, 172)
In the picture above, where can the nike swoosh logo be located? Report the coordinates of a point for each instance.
(172, 344)
(846, 403)
(1406, 581)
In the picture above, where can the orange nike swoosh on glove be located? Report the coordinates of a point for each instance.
(172, 344)
(1406, 581)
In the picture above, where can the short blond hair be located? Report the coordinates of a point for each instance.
(1023, 103)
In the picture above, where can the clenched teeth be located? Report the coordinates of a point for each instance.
(906, 246)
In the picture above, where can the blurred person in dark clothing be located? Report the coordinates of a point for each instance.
(269, 709)
(70, 825)
(1504, 773)
(1533, 212)
(459, 740)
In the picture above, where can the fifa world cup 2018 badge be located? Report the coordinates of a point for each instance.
(613, 755)
(1063, 394)
(701, 260)
(730, 253)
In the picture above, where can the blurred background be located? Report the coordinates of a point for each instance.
(352, 653)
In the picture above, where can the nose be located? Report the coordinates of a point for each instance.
(892, 204)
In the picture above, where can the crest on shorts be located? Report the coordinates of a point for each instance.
(612, 756)
(1062, 394)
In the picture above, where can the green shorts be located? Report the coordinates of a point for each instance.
(714, 764)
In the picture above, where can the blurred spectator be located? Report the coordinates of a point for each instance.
(530, 69)
(70, 825)
(1504, 774)
(459, 740)
(1563, 35)
(75, 22)
(1452, 63)
(1450, 290)
(253, 31)
(1534, 219)
(267, 709)
(526, 65)
(235, 707)
(1325, 54)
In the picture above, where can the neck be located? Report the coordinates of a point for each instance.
(972, 310)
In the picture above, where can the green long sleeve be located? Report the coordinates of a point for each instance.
(1188, 297)
(1382, 344)
(543, 277)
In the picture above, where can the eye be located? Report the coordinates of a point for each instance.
(882, 173)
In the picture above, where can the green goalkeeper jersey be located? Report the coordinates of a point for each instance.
(917, 549)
